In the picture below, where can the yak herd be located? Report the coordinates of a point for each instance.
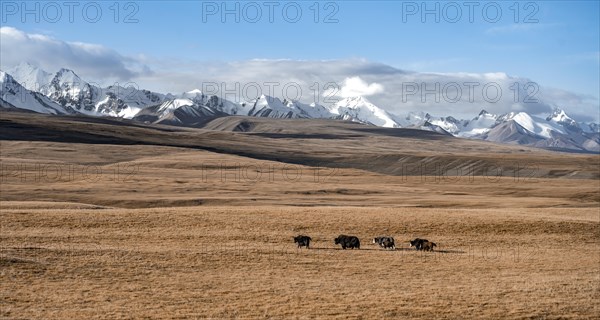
(352, 242)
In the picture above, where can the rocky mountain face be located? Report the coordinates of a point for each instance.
(75, 95)
(14, 96)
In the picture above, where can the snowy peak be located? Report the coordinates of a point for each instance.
(535, 125)
(312, 110)
(560, 117)
(36, 78)
(187, 106)
(66, 80)
(479, 125)
(356, 102)
(74, 94)
(14, 95)
(448, 124)
(7, 82)
(270, 107)
(31, 77)
(68, 75)
(70, 91)
(451, 119)
(271, 103)
(360, 104)
(483, 112)
(359, 109)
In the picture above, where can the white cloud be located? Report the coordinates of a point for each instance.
(89, 60)
(355, 86)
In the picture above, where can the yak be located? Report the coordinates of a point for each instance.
(347, 241)
(302, 241)
(385, 242)
(418, 243)
(422, 244)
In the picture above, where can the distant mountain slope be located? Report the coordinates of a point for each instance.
(14, 96)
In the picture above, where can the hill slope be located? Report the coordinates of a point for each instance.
(312, 142)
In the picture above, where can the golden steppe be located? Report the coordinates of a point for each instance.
(105, 219)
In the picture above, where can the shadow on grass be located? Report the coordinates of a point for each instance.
(340, 249)
(450, 251)
(383, 250)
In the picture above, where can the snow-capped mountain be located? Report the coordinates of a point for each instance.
(413, 119)
(479, 125)
(65, 93)
(536, 126)
(71, 92)
(425, 121)
(448, 124)
(31, 77)
(188, 109)
(75, 95)
(560, 118)
(312, 110)
(361, 110)
(556, 131)
(213, 102)
(185, 107)
(14, 96)
(270, 107)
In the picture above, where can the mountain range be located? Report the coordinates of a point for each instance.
(29, 88)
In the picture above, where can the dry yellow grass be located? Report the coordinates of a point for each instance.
(241, 263)
(152, 176)
(173, 230)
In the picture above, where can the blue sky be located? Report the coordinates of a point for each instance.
(558, 48)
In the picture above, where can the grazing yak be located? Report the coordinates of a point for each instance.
(302, 241)
(428, 246)
(422, 244)
(347, 241)
(385, 242)
(417, 243)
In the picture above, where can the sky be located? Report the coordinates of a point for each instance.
(378, 49)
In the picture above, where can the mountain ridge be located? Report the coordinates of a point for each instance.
(67, 93)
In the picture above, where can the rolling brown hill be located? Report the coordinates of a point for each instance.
(253, 161)
(314, 143)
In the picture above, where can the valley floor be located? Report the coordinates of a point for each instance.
(71, 261)
(155, 176)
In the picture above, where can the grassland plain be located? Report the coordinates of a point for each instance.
(234, 262)
(107, 230)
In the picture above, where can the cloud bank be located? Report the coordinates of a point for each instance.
(87, 59)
